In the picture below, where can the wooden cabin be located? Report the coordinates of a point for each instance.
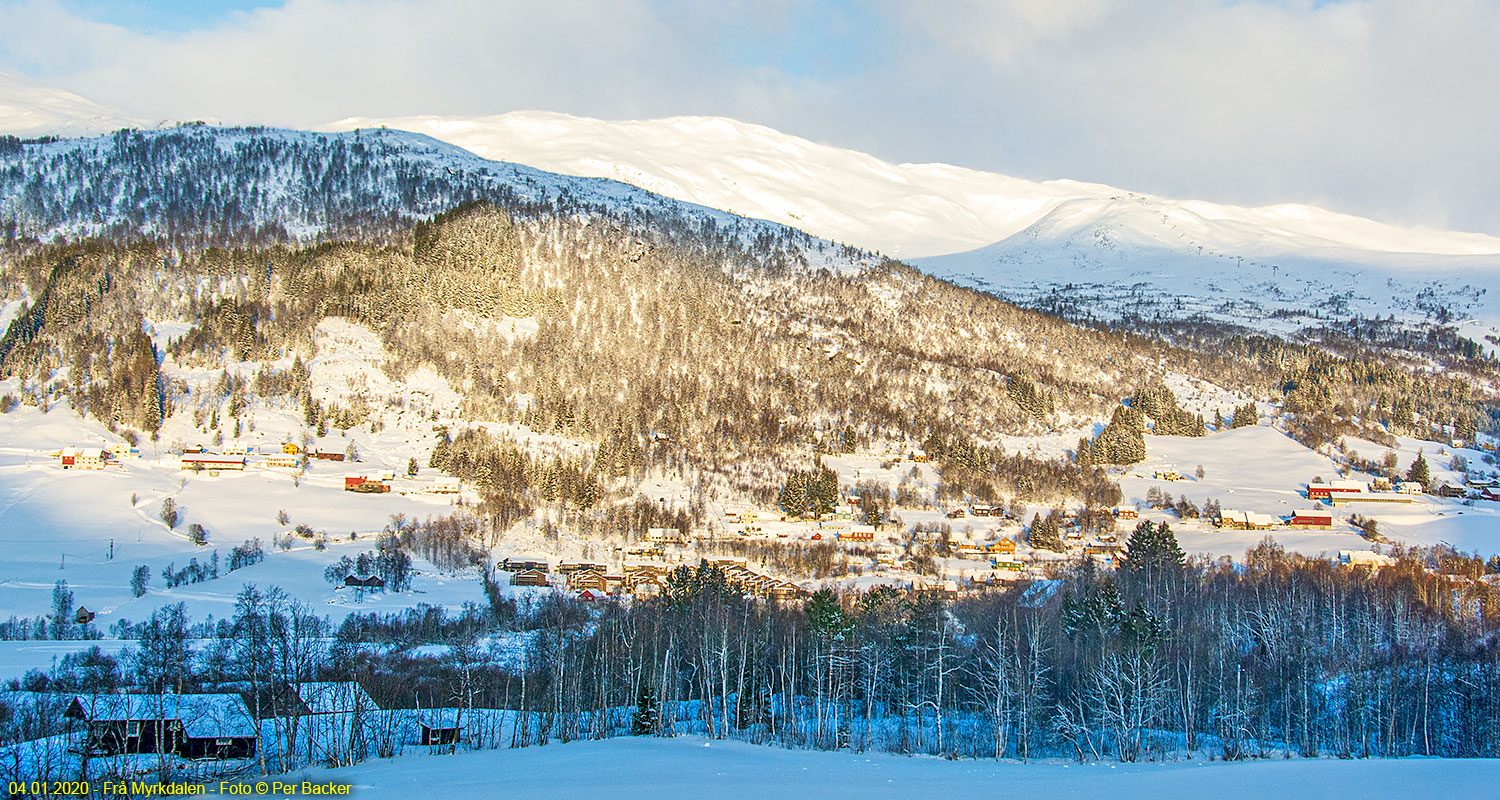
(440, 726)
(191, 726)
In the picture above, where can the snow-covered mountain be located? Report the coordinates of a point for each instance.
(1117, 252)
(228, 185)
(1133, 255)
(905, 210)
(27, 111)
(1073, 247)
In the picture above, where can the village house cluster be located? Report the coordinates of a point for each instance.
(237, 458)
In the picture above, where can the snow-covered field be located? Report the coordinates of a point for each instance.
(691, 766)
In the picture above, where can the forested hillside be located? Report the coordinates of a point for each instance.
(599, 312)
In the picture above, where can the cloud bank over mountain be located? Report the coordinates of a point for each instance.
(1379, 108)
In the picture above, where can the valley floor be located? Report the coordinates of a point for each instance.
(693, 766)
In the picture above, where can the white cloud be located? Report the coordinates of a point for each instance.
(1383, 107)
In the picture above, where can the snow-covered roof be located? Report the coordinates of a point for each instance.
(331, 697)
(1038, 593)
(441, 717)
(202, 715)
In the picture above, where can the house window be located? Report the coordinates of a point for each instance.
(133, 728)
(223, 742)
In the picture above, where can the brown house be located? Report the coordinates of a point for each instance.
(529, 577)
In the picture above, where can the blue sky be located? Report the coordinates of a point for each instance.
(1378, 107)
(171, 16)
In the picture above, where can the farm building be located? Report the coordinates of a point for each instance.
(291, 449)
(82, 458)
(859, 533)
(192, 726)
(280, 461)
(1410, 487)
(937, 588)
(440, 726)
(212, 462)
(366, 484)
(446, 486)
(1167, 473)
(335, 697)
(1311, 520)
(1356, 558)
(357, 582)
(1126, 512)
(1371, 497)
(1245, 520)
(1325, 491)
(328, 456)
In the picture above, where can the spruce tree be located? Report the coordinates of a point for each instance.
(643, 720)
(1123, 440)
(1419, 472)
(1045, 533)
(793, 498)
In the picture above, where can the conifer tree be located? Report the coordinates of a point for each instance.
(793, 499)
(1419, 472)
(1045, 533)
(643, 720)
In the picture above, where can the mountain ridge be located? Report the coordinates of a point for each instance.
(906, 210)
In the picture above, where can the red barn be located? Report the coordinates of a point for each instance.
(1311, 520)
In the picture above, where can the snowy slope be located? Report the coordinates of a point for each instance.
(689, 766)
(28, 111)
(906, 210)
(237, 183)
(1134, 254)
